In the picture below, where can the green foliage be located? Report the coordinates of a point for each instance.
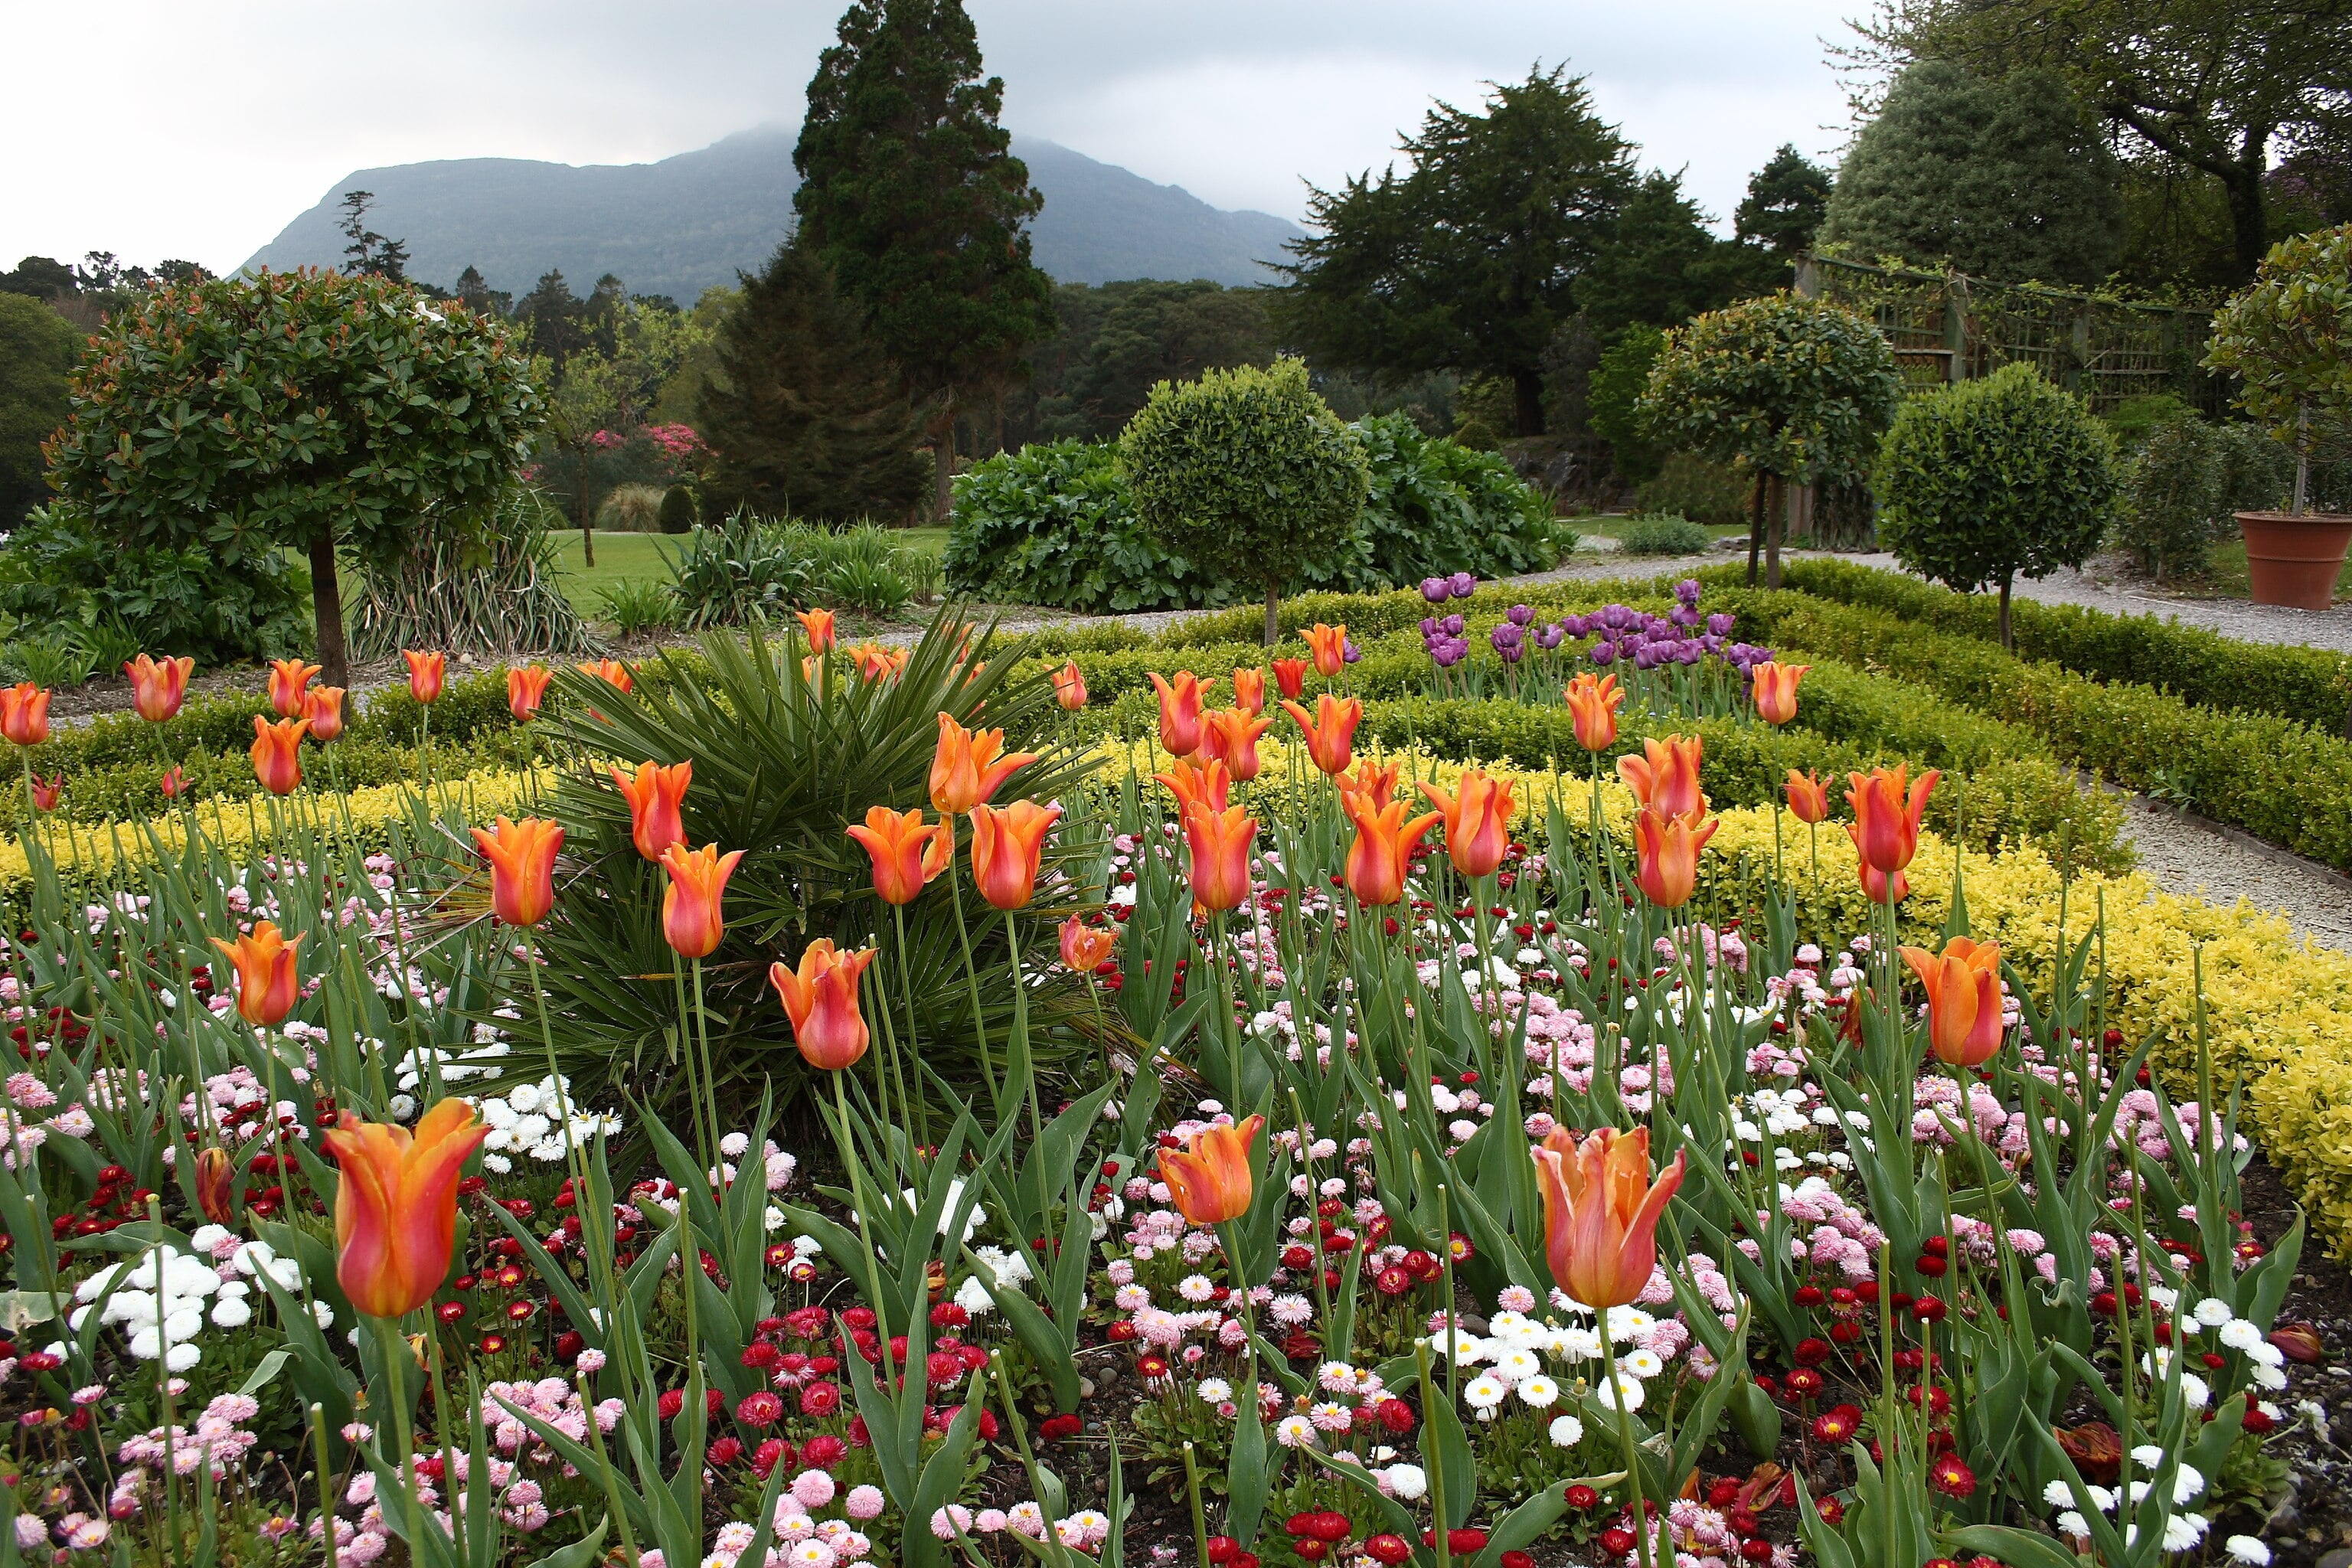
(751, 568)
(1663, 534)
(1661, 265)
(638, 605)
(1985, 479)
(1247, 473)
(504, 599)
(1052, 524)
(1113, 343)
(2135, 418)
(242, 416)
(1436, 508)
(680, 511)
(1793, 387)
(38, 348)
(1705, 493)
(2288, 339)
(1785, 202)
(1614, 396)
(2004, 179)
(58, 571)
(804, 413)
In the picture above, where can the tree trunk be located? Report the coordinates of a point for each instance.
(1273, 622)
(943, 462)
(2007, 640)
(1776, 519)
(1755, 526)
(587, 533)
(1527, 401)
(2248, 215)
(2301, 458)
(327, 608)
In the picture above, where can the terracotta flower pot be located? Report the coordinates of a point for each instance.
(2293, 560)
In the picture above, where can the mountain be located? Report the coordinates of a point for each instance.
(679, 225)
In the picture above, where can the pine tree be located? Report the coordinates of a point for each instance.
(1785, 202)
(2007, 180)
(804, 411)
(911, 194)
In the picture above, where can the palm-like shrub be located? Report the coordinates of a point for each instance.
(783, 764)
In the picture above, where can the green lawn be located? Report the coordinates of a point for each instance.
(626, 557)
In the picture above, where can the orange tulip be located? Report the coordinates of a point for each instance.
(216, 1185)
(1809, 797)
(1665, 776)
(1249, 692)
(25, 713)
(820, 997)
(396, 1204)
(655, 795)
(324, 706)
(174, 784)
(1374, 781)
(1209, 1180)
(1331, 734)
(612, 673)
(1667, 850)
(1885, 826)
(1222, 843)
(526, 690)
(966, 770)
(877, 662)
(1382, 853)
(1330, 645)
(158, 686)
(1592, 703)
(522, 867)
(1007, 843)
(693, 906)
(1776, 689)
(289, 680)
(907, 852)
(818, 624)
(47, 792)
(268, 984)
(1086, 948)
(1963, 982)
(1070, 687)
(1290, 677)
(426, 671)
(1180, 712)
(1478, 822)
(1197, 783)
(277, 754)
(1231, 736)
(1602, 1211)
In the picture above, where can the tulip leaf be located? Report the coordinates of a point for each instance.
(1525, 1524)
(941, 1479)
(2016, 1548)
(1442, 1431)
(584, 1553)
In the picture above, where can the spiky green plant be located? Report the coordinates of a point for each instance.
(441, 594)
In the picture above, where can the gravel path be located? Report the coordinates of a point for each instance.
(2201, 859)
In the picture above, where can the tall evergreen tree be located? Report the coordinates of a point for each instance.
(2008, 179)
(911, 194)
(1660, 265)
(1785, 202)
(805, 411)
(551, 316)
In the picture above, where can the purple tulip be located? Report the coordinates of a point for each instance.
(1685, 616)
(1463, 583)
(1449, 653)
(1604, 653)
(1428, 626)
(1451, 626)
(1721, 624)
(1713, 642)
(1690, 652)
(1520, 614)
(1505, 635)
(1687, 590)
(1436, 590)
(1577, 626)
(1550, 636)
(1646, 657)
(1350, 652)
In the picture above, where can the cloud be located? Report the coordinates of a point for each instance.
(198, 131)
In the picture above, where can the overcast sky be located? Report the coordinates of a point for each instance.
(199, 128)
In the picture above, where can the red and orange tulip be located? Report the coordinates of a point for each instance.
(1222, 842)
(426, 674)
(1329, 647)
(1383, 852)
(1070, 687)
(1602, 1211)
(1007, 845)
(1964, 1014)
(1249, 690)
(324, 706)
(396, 1204)
(1885, 826)
(1776, 689)
(522, 867)
(1667, 850)
(818, 624)
(694, 915)
(267, 981)
(1210, 1180)
(966, 770)
(1374, 781)
(1290, 678)
(158, 686)
(1809, 797)
(1180, 712)
(526, 690)
(1194, 784)
(1230, 736)
(877, 662)
(1593, 704)
(1665, 776)
(289, 680)
(655, 794)
(612, 673)
(174, 782)
(907, 852)
(1086, 948)
(277, 754)
(1331, 733)
(216, 1185)
(47, 792)
(25, 713)
(820, 997)
(1477, 821)
(1879, 887)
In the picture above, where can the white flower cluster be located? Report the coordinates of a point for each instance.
(528, 1118)
(1511, 1362)
(2182, 1530)
(164, 1297)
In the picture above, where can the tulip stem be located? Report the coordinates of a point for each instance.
(710, 1082)
(971, 986)
(326, 1484)
(1644, 1546)
(853, 1168)
(391, 1348)
(907, 988)
(1193, 1491)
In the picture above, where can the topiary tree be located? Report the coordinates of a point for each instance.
(1614, 402)
(1797, 389)
(1248, 473)
(2289, 340)
(1983, 480)
(293, 410)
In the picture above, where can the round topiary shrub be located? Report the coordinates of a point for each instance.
(678, 512)
(1983, 480)
(1664, 535)
(1247, 473)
